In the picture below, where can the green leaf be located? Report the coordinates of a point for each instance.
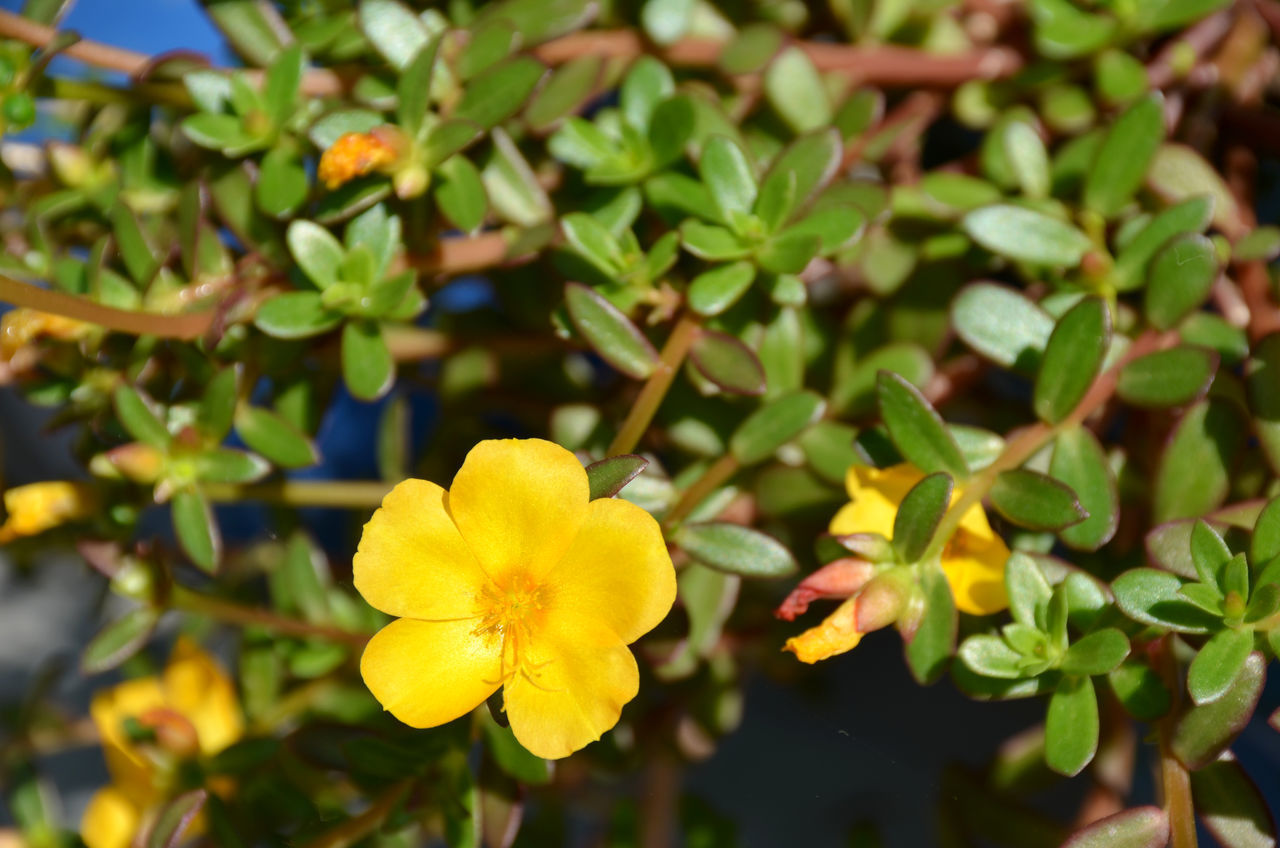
(367, 366)
(1140, 690)
(735, 549)
(317, 251)
(1264, 546)
(935, 638)
(774, 424)
(254, 29)
(295, 315)
(1063, 31)
(280, 90)
(1180, 279)
(1217, 664)
(1140, 827)
(991, 656)
(582, 144)
(593, 242)
(377, 232)
(1100, 652)
(138, 256)
(1033, 500)
(751, 48)
(609, 476)
(1206, 730)
(918, 516)
(647, 84)
(140, 417)
(795, 90)
(1209, 555)
(1001, 324)
(1027, 157)
(1154, 597)
(916, 429)
(1230, 806)
(413, 89)
(1194, 473)
(1029, 592)
(512, 186)
(513, 758)
(1173, 377)
(1072, 359)
(282, 184)
(326, 131)
(836, 227)
(567, 88)
(1025, 235)
(828, 448)
(1121, 162)
(491, 41)
(1071, 726)
(788, 252)
(217, 405)
(394, 30)
(1186, 218)
(670, 130)
(727, 174)
(714, 291)
(1172, 14)
(728, 362)
(609, 332)
(1079, 462)
(217, 132)
(460, 193)
(1262, 379)
(499, 92)
(273, 437)
(713, 243)
(119, 640)
(196, 530)
(814, 160)
(1178, 173)
(1262, 244)
(176, 817)
(228, 465)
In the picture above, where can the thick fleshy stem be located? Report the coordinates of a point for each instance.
(187, 325)
(655, 389)
(716, 475)
(343, 494)
(1175, 780)
(229, 612)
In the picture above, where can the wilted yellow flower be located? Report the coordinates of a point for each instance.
(191, 709)
(973, 561)
(37, 507)
(19, 327)
(512, 578)
(355, 155)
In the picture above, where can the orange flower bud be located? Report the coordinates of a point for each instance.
(838, 579)
(20, 327)
(357, 154)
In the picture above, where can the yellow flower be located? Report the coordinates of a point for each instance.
(836, 634)
(512, 578)
(37, 507)
(355, 155)
(974, 558)
(192, 709)
(19, 327)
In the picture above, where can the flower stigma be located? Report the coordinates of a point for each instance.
(511, 612)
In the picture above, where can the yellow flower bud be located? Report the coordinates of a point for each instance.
(20, 327)
(37, 507)
(357, 154)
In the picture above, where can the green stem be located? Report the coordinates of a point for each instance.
(233, 613)
(716, 475)
(188, 325)
(1175, 780)
(337, 493)
(356, 828)
(655, 389)
(1035, 437)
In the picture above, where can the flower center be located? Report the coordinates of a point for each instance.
(512, 611)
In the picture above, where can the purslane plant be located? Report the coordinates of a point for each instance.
(948, 317)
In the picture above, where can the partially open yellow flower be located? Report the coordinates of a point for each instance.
(192, 709)
(974, 558)
(512, 578)
(19, 327)
(37, 507)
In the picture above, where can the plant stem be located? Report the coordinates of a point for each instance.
(232, 613)
(1175, 780)
(358, 494)
(716, 475)
(187, 325)
(356, 828)
(1033, 438)
(655, 389)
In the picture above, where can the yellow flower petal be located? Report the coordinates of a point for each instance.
(108, 709)
(580, 676)
(837, 634)
(197, 688)
(427, 673)
(111, 820)
(518, 504)
(876, 494)
(617, 572)
(412, 562)
(974, 565)
(37, 507)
